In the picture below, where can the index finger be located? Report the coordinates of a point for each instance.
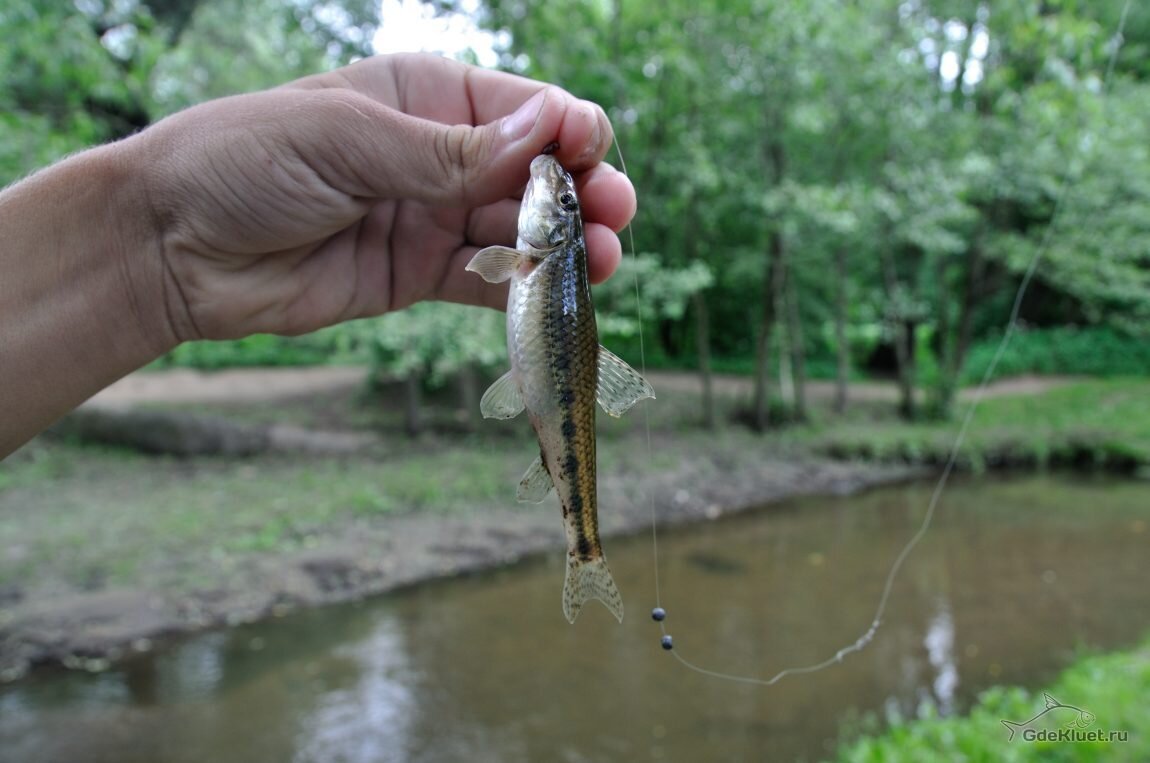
(451, 92)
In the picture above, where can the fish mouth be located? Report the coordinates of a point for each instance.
(546, 166)
(540, 219)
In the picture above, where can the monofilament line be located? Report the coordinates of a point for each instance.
(960, 439)
(643, 371)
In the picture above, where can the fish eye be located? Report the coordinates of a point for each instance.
(567, 200)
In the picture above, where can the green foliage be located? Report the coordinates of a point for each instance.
(433, 341)
(939, 184)
(271, 41)
(1115, 688)
(255, 350)
(923, 145)
(95, 70)
(1087, 351)
(665, 292)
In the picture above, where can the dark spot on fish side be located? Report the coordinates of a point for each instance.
(568, 428)
(571, 465)
(584, 548)
(551, 147)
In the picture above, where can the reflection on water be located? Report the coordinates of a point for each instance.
(1014, 576)
(939, 643)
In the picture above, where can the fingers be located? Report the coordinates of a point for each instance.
(606, 196)
(443, 132)
(603, 252)
(452, 93)
(494, 224)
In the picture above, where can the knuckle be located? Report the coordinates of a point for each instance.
(457, 151)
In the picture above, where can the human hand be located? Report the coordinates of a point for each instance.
(360, 191)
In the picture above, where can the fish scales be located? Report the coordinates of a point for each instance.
(559, 371)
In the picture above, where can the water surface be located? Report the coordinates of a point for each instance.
(1012, 579)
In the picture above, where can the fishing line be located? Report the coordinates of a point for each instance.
(659, 614)
(643, 371)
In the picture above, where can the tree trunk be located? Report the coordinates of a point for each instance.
(775, 155)
(703, 346)
(469, 397)
(974, 276)
(783, 339)
(761, 403)
(956, 341)
(797, 346)
(903, 341)
(907, 407)
(842, 349)
(413, 404)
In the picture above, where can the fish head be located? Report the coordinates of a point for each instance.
(549, 216)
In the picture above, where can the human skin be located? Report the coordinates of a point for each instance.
(338, 196)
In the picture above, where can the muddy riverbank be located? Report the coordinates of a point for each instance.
(366, 557)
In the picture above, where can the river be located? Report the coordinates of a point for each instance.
(1014, 576)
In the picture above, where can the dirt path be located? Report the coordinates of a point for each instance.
(242, 385)
(267, 384)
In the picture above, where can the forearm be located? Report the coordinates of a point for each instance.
(81, 287)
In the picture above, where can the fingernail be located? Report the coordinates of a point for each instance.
(592, 147)
(517, 125)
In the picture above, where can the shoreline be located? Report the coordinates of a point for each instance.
(112, 552)
(92, 630)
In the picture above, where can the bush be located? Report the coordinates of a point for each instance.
(1115, 688)
(1092, 351)
(256, 350)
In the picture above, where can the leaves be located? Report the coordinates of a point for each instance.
(432, 341)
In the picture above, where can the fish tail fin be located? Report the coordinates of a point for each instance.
(590, 579)
(1012, 727)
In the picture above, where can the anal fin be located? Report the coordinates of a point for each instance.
(536, 483)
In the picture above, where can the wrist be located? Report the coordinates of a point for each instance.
(131, 242)
(81, 289)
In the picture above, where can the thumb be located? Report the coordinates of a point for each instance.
(368, 149)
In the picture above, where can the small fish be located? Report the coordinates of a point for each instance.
(559, 370)
(1080, 720)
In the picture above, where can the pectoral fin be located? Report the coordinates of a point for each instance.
(620, 386)
(536, 483)
(496, 263)
(502, 400)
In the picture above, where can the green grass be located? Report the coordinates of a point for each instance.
(1100, 422)
(1114, 687)
(90, 518)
